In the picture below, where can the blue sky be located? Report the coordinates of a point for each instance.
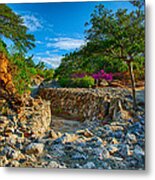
(58, 27)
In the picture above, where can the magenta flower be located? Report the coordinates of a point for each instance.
(102, 75)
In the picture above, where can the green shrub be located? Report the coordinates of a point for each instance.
(65, 82)
(32, 71)
(85, 82)
(48, 74)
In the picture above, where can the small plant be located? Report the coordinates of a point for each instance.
(85, 82)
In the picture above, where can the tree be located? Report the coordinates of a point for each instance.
(118, 35)
(12, 27)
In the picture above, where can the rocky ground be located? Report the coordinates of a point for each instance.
(90, 145)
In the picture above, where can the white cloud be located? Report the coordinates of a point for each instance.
(65, 43)
(53, 61)
(39, 42)
(32, 22)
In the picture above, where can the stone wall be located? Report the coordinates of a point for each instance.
(84, 104)
(34, 116)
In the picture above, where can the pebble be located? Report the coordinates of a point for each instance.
(105, 153)
(79, 156)
(132, 138)
(54, 164)
(89, 165)
(138, 153)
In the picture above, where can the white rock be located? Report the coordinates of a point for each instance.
(138, 153)
(53, 164)
(89, 165)
(132, 138)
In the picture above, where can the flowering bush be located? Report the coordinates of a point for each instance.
(88, 80)
(102, 75)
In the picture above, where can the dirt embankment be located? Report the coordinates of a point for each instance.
(6, 84)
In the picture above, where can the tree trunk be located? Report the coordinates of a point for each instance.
(130, 66)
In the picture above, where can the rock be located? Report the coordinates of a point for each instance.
(79, 149)
(114, 141)
(138, 153)
(85, 132)
(3, 161)
(9, 152)
(31, 158)
(2, 138)
(112, 149)
(78, 166)
(136, 128)
(124, 150)
(107, 127)
(116, 145)
(131, 138)
(89, 165)
(34, 117)
(47, 157)
(96, 151)
(9, 131)
(79, 156)
(105, 165)
(54, 164)
(66, 138)
(118, 134)
(115, 158)
(116, 128)
(14, 163)
(53, 134)
(95, 141)
(103, 83)
(140, 96)
(57, 153)
(105, 153)
(34, 148)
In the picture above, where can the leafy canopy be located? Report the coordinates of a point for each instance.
(112, 39)
(117, 35)
(12, 27)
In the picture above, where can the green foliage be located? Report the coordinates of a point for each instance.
(40, 65)
(85, 82)
(12, 27)
(113, 38)
(21, 72)
(3, 47)
(48, 74)
(24, 71)
(65, 82)
(117, 35)
(23, 68)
